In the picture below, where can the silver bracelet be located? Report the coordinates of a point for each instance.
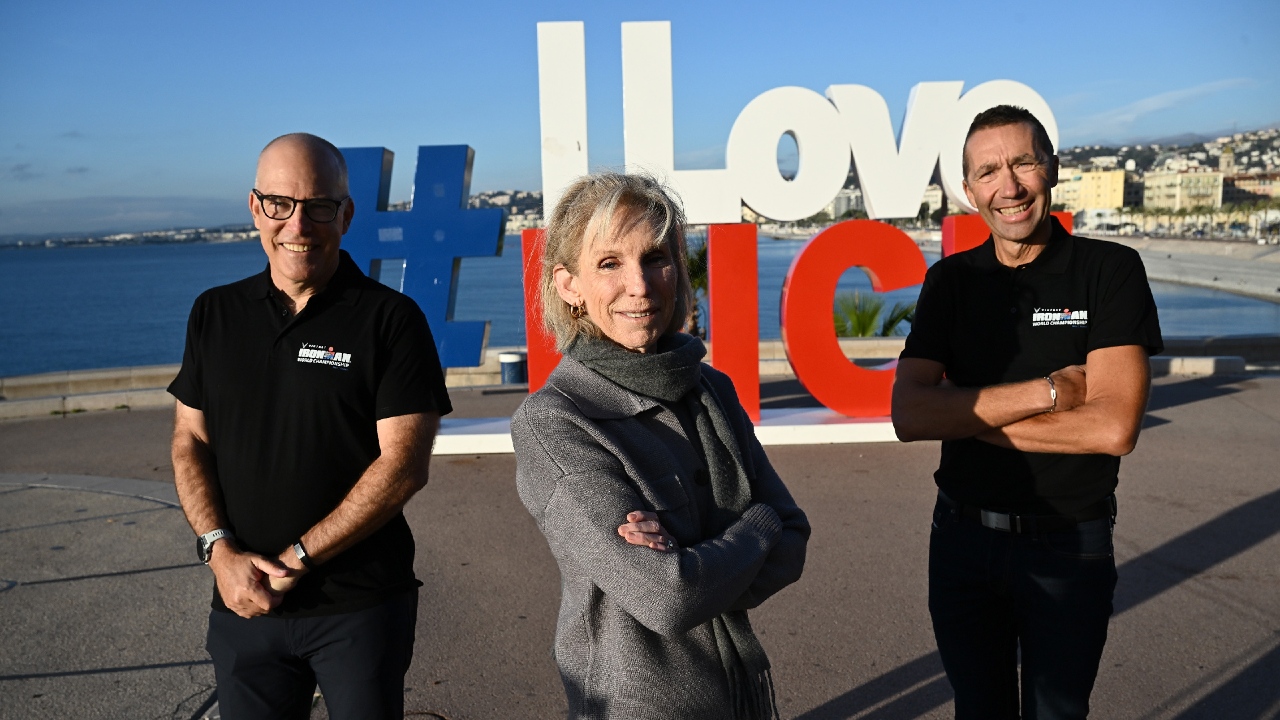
(1053, 394)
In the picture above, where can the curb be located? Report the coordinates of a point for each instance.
(774, 368)
(71, 404)
(1197, 366)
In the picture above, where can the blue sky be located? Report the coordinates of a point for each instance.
(133, 115)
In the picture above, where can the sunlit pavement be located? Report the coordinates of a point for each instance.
(104, 605)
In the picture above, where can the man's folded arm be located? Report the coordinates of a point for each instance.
(926, 407)
(1107, 422)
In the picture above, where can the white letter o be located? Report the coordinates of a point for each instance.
(752, 153)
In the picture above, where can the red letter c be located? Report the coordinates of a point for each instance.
(892, 261)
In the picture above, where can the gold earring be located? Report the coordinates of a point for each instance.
(578, 311)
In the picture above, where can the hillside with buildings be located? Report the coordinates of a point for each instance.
(524, 207)
(1226, 187)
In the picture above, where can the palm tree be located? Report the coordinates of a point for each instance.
(1252, 209)
(696, 263)
(1142, 215)
(1204, 211)
(1234, 210)
(922, 217)
(858, 315)
(1126, 218)
(1266, 207)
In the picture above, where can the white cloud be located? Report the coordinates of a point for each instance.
(1123, 121)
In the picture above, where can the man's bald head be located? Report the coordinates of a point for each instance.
(320, 153)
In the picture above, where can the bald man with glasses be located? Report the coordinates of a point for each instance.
(307, 404)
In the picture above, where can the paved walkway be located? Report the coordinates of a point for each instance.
(104, 605)
(1239, 267)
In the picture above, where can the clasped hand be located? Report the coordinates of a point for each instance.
(250, 584)
(643, 528)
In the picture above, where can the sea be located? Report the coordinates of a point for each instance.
(85, 307)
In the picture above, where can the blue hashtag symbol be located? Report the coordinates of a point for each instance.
(419, 251)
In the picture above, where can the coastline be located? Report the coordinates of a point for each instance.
(1239, 267)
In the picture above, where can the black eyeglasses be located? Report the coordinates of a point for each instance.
(281, 207)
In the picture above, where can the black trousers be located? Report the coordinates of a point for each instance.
(995, 596)
(268, 667)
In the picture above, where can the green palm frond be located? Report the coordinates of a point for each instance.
(696, 262)
(900, 313)
(858, 315)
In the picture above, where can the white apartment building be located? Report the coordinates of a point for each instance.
(1183, 189)
(844, 201)
(933, 196)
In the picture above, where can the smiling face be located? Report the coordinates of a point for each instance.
(1009, 181)
(627, 283)
(303, 254)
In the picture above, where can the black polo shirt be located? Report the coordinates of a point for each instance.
(292, 405)
(991, 324)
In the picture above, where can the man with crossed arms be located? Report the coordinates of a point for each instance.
(1028, 358)
(308, 400)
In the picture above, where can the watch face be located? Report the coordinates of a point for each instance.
(202, 551)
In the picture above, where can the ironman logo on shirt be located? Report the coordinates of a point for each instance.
(1053, 316)
(323, 355)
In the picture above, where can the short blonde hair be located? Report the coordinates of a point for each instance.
(595, 202)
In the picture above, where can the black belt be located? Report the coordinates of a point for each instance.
(1021, 524)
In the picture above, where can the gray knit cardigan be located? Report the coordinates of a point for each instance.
(633, 639)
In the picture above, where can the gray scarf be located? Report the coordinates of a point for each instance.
(674, 374)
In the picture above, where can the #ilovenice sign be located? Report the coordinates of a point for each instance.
(421, 249)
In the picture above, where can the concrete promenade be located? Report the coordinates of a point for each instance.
(105, 607)
(1244, 268)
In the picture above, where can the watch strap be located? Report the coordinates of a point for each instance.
(207, 540)
(303, 557)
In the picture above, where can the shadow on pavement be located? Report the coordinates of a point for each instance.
(1239, 697)
(1195, 551)
(103, 671)
(84, 519)
(1191, 391)
(788, 393)
(95, 576)
(919, 686)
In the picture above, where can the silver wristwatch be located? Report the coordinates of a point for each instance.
(204, 543)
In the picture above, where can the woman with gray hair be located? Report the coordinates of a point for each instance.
(643, 471)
